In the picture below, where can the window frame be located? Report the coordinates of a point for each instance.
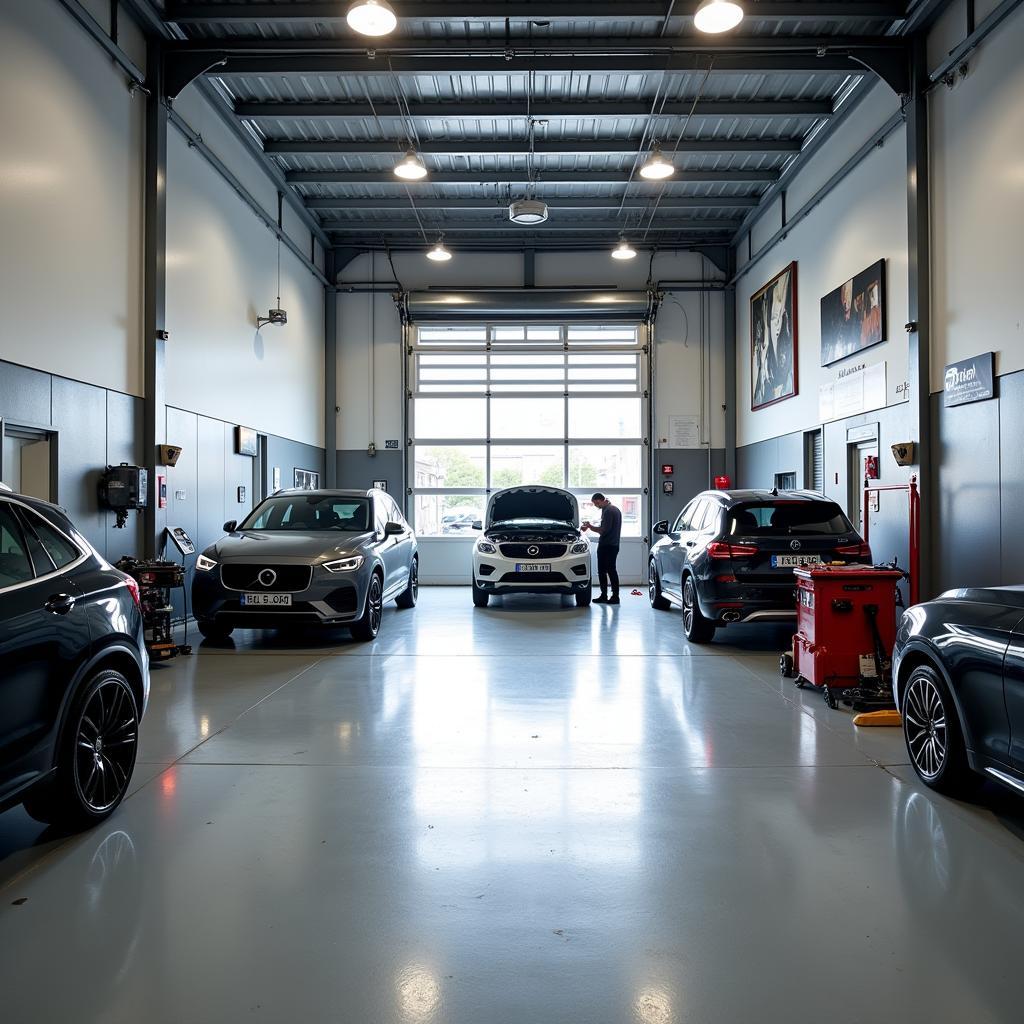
(22, 514)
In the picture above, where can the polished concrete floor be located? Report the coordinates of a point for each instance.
(527, 813)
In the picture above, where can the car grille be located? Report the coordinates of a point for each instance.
(289, 578)
(532, 577)
(532, 550)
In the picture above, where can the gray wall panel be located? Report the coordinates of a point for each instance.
(210, 457)
(1011, 476)
(357, 469)
(183, 487)
(691, 476)
(290, 455)
(124, 444)
(238, 472)
(24, 395)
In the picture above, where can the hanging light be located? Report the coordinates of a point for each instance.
(528, 211)
(371, 17)
(656, 167)
(623, 251)
(411, 167)
(718, 15)
(439, 254)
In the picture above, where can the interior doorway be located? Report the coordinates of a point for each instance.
(28, 460)
(859, 452)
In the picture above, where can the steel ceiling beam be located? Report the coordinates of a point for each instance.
(489, 203)
(612, 227)
(550, 109)
(765, 10)
(514, 176)
(521, 146)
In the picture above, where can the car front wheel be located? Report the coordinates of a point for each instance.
(408, 597)
(480, 596)
(932, 733)
(656, 597)
(368, 626)
(698, 629)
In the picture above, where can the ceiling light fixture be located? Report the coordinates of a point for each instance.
(439, 254)
(656, 167)
(623, 251)
(528, 211)
(371, 17)
(717, 16)
(411, 167)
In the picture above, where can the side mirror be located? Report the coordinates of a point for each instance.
(477, 524)
(230, 526)
(661, 527)
(393, 529)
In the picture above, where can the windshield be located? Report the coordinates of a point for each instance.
(785, 518)
(311, 512)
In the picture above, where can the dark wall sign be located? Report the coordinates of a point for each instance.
(970, 380)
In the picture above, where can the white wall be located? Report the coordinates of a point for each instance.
(978, 201)
(858, 223)
(71, 166)
(677, 348)
(222, 274)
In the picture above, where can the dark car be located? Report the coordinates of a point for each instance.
(729, 556)
(958, 680)
(74, 673)
(324, 558)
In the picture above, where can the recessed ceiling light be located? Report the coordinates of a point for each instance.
(411, 166)
(656, 167)
(439, 254)
(718, 15)
(623, 251)
(528, 211)
(371, 17)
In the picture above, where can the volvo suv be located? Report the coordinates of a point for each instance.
(531, 544)
(730, 555)
(74, 672)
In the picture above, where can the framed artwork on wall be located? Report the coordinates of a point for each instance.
(307, 479)
(853, 315)
(773, 340)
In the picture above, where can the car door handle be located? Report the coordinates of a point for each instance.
(60, 604)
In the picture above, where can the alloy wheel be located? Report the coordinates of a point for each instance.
(414, 582)
(376, 605)
(105, 746)
(688, 607)
(652, 583)
(924, 717)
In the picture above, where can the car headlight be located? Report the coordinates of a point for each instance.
(204, 564)
(344, 564)
(581, 547)
(485, 547)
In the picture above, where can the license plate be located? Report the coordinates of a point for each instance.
(533, 567)
(793, 561)
(267, 600)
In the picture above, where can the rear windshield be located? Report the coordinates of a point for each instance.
(785, 518)
(311, 512)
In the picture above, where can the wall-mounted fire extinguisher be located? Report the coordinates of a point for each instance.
(871, 467)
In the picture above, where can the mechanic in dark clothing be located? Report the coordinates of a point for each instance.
(610, 531)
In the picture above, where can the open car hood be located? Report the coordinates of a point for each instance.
(532, 503)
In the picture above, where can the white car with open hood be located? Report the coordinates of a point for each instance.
(531, 544)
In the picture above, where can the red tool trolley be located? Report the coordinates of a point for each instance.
(846, 628)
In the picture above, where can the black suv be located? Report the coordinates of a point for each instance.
(730, 555)
(74, 673)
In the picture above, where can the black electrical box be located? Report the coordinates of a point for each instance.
(124, 487)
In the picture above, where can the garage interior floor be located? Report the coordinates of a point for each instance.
(526, 813)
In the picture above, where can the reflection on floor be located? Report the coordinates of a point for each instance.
(526, 813)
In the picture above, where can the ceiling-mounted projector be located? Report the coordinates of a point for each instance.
(528, 211)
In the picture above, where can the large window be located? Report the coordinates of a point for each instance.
(494, 406)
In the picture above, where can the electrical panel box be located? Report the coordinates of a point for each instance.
(124, 487)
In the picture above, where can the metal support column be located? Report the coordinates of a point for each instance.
(731, 371)
(155, 280)
(919, 302)
(330, 371)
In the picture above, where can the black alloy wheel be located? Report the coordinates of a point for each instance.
(932, 732)
(369, 625)
(106, 745)
(698, 629)
(654, 594)
(408, 597)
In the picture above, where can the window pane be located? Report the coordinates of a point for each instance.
(14, 563)
(61, 551)
(526, 417)
(628, 504)
(604, 417)
(526, 464)
(447, 515)
(450, 466)
(600, 466)
(450, 418)
(603, 335)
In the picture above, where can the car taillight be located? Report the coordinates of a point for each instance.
(133, 588)
(861, 550)
(722, 549)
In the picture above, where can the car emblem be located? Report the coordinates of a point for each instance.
(267, 577)
(533, 550)
(795, 545)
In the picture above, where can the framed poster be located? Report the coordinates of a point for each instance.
(307, 479)
(773, 340)
(246, 441)
(853, 315)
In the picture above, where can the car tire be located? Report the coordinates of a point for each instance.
(480, 596)
(584, 597)
(95, 757)
(408, 597)
(367, 627)
(211, 630)
(698, 630)
(657, 598)
(932, 733)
